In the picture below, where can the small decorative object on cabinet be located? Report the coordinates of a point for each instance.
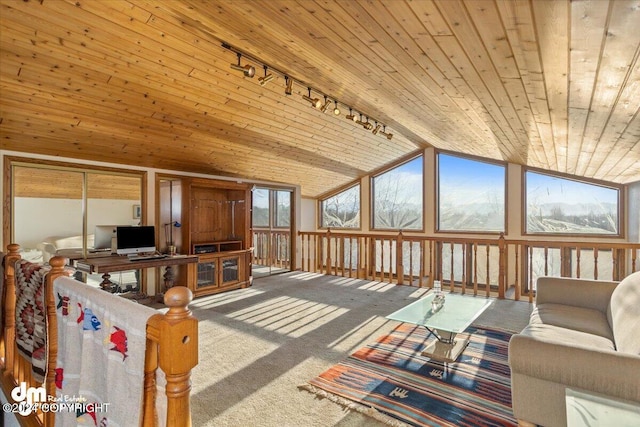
(217, 229)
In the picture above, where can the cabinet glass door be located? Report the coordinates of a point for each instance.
(230, 270)
(207, 274)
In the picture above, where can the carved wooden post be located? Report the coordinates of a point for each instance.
(399, 258)
(502, 263)
(150, 414)
(9, 309)
(178, 336)
(57, 269)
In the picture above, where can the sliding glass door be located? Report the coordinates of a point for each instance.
(56, 209)
(271, 225)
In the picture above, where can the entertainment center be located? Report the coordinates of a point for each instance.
(216, 226)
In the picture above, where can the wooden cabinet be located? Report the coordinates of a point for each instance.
(222, 266)
(217, 229)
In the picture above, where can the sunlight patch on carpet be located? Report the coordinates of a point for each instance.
(289, 316)
(223, 298)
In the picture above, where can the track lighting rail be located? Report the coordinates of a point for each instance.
(250, 71)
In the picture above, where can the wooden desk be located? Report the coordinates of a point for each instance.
(114, 263)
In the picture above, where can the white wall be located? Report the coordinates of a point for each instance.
(308, 214)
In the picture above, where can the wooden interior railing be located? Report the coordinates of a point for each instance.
(272, 248)
(172, 345)
(492, 266)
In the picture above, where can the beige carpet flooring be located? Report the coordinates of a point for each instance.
(257, 345)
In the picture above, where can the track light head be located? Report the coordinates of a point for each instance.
(376, 129)
(266, 79)
(248, 70)
(351, 116)
(325, 107)
(289, 85)
(385, 134)
(315, 102)
(366, 125)
(336, 110)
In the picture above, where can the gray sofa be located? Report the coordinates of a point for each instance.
(582, 335)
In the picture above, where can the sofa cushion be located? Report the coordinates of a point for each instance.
(586, 320)
(624, 314)
(568, 337)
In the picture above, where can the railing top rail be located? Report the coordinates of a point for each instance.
(486, 241)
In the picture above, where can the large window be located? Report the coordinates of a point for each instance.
(341, 210)
(559, 205)
(282, 206)
(398, 197)
(471, 195)
(260, 208)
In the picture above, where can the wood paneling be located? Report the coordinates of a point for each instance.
(550, 84)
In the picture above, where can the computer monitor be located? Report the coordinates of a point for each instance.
(135, 239)
(104, 237)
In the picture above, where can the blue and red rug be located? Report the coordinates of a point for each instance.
(391, 381)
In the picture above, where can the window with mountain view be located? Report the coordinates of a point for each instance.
(471, 195)
(398, 197)
(560, 205)
(341, 210)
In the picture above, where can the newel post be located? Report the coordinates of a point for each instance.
(399, 258)
(178, 352)
(9, 309)
(502, 263)
(57, 264)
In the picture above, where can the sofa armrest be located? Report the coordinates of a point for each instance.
(585, 293)
(600, 371)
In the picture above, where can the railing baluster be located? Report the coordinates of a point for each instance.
(451, 284)
(432, 262)
(391, 243)
(546, 260)
(530, 287)
(488, 285)
(463, 262)
(475, 268)
(410, 243)
(382, 260)
(421, 248)
(517, 284)
(595, 263)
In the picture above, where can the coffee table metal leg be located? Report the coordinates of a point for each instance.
(446, 349)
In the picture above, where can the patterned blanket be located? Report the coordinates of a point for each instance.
(31, 319)
(101, 354)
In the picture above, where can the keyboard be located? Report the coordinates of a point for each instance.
(146, 257)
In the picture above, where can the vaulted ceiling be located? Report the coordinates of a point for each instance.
(550, 84)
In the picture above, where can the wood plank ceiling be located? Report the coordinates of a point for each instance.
(550, 84)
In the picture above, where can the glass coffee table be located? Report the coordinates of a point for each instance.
(446, 324)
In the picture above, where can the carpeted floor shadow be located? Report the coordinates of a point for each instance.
(257, 345)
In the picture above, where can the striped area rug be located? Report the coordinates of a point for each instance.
(391, 381)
